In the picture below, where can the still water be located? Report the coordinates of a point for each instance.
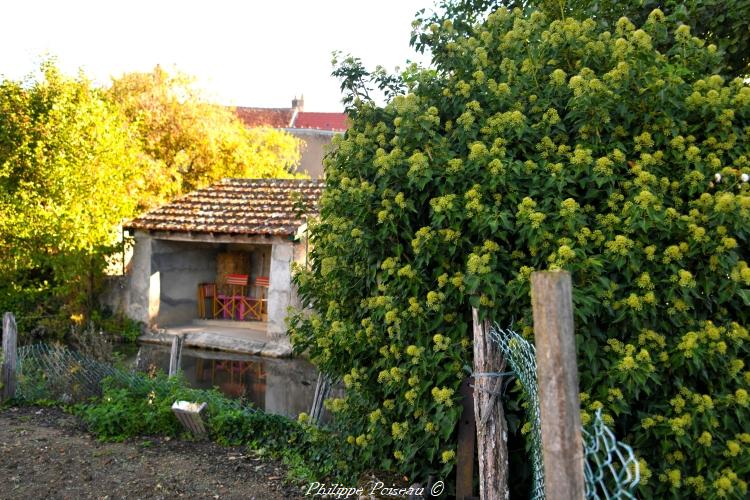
(281, 386)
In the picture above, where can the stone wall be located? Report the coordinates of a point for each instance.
(115, 293)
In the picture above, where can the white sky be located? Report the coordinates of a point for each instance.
(244, 52)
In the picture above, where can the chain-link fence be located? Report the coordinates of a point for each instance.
(521, 358)
(55, 373)
(611, 470)
(610, 467)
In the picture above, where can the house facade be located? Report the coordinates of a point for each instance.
(246, 228)
(315, 129)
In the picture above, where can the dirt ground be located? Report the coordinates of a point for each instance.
(45, 453)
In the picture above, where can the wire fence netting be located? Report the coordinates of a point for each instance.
(54, 373)
(611, 470)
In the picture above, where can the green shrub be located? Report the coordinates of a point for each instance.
(116, 326)
(141, 406)
(544, 145)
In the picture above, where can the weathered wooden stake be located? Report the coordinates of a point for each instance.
(10, 334)
(492, 430)
(175, 356)
(557, 375)
(322, 389)
(466, 438)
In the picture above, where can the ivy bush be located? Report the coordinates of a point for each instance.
(538, 145)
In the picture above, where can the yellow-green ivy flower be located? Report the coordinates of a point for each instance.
(447, 456)
(442, 395)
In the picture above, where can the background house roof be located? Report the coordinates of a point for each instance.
(265, 117)
(238, 206)
(337, 122)
(288, 118)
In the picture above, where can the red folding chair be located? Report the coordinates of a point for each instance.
(253, 307)
(229, 304)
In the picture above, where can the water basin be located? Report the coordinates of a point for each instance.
(281, 386)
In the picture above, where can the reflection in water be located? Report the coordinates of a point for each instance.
(281, 386)
(234, 378)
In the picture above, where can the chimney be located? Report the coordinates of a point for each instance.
(298, 104)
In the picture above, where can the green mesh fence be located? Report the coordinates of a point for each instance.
(521, 357)
(610, 468)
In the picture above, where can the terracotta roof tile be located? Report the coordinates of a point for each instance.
(238, 206)
(323, 121)
(269, 117)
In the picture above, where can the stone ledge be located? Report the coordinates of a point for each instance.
(209, 340)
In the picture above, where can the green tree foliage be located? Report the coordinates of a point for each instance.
(189, 142)
(67, 166)
(76, 160)
(721, 22)
(540, 145)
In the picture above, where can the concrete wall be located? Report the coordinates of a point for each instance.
(164, 277)
(280, 291)
(181, 266)
(142, 302)
(300, 257)
(162, 286)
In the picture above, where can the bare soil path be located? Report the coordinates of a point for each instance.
(45, 453)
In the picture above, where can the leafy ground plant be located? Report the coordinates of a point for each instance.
(141, 406)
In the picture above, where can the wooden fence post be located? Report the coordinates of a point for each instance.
(322, 390)
(492, 430)
(557, 375)
(466, 441)
(10, 333)
(175, 356)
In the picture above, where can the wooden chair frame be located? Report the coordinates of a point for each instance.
(236, 303)
(262, 284)
(207, 291)
(252, 307)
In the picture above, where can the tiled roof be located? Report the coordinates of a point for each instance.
(269, 117)
(237, 206)
(285, 118)
(323, 121)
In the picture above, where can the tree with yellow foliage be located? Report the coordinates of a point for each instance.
(188, 142)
